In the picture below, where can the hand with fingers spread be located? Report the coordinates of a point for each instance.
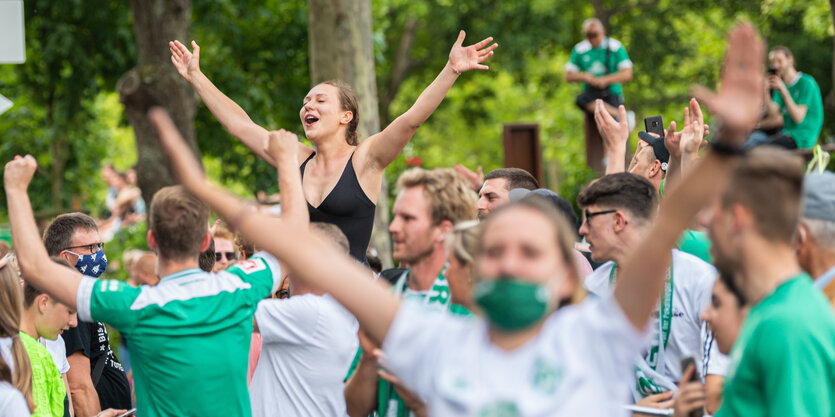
(615, 133)
(474, 179)
(186, 62)
(464, 58)
(739, 101)
(184, 164)
(691, 136)
(691, 396)
(19, 173)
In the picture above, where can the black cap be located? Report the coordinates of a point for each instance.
(657, 143)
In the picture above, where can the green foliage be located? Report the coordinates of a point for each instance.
(131, 237)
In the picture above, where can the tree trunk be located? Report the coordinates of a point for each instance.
(155, 82)
(829, 104)
(341, 48)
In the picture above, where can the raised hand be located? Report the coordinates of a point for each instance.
(474, 179)
(692, 135)
(465, 58)
(282, 144)
(672, 141)
(186, 62)
(615, 134)
(18, 173)
(740, 98)
(183, 163)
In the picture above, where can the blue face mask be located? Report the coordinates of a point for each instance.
(92, 265)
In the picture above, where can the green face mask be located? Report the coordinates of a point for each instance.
(512, 304)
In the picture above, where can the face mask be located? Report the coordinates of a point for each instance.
(512, 304)
(91, 265)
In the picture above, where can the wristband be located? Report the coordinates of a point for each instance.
(727, 150)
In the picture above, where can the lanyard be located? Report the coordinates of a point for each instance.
(666, 313)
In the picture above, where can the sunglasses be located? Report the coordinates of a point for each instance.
(92, 247)
(230, 256)
(592, 35)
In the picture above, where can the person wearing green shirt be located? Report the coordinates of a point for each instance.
(783, 362)
(602, 65)
(796, 106)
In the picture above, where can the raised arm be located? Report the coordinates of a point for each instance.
(54, 279)
(226, 111)
(383, 147)
(615, 136)
(301, 249)
(739, 105)
(283, 147)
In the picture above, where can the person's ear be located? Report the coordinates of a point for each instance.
(207, 239)
(43, 303)
(445, 228)
(346, 118)
(620, 221)
(152, 241)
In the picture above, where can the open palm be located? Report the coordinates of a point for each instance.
(185, 61)
(464, 58)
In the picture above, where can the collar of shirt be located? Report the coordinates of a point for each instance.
(822, 281)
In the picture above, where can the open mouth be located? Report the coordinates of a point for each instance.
(309, 120)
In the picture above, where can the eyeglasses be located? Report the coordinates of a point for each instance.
(592, 35)
(92, 247)
(230, 256)
(590, 214)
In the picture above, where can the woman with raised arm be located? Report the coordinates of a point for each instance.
(341, 177)
(527, 355)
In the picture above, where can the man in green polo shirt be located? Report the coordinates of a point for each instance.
(795, 106)
(783, 362)
(189, 335)
(602, 64)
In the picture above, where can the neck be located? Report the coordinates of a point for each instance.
(789, 74)
(766, 265)
(166, 267)
(424, 272)
(512, 340)
(333, 149)
(27, 322)
(821, 261)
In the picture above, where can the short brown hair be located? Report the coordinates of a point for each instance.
(622, 191)
(334, 234)
(449, 195)
(58, 235)
(348, 101)
(179, 222)
(769, 184)
(516, 178)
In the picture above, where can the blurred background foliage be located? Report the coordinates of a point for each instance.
(67, 114)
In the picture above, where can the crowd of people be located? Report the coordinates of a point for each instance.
(699, 278)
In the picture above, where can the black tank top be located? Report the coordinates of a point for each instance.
(348, 208)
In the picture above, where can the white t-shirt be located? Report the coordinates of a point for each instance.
(12, 402)
(6, 351)
(58, 351)
(580, 364)
(308, 343)
(692, 286)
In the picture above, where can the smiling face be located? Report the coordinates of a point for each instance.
(322, 114)
(724, 315)
(522, 242)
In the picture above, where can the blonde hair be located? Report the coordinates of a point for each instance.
(11, 308)
(449, 195)
(463, 243)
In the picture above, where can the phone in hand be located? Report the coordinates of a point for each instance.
(131, 412)
(654, 124)
(685, 362)
(772, 71)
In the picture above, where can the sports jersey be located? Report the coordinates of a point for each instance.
(578, 365)
(585, 58)
(783, 362)
(688, 293)
(804, 91)
(189, 335)
(308, 342)
(48, 390)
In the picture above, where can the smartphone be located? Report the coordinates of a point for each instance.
(655, 125)
(772, 71)
(685, 362)
(131, 412)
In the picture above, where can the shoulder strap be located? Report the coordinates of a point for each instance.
(98, 369)
(304, 164)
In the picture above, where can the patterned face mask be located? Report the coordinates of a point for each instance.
(92, 265)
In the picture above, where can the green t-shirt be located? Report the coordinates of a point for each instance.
(189, 335)
(804, 91)
(783, 362)
(697, 244)
(585, 58)
(48, 390)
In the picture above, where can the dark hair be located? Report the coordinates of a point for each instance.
(622, 191)
(207, 257)
(30, 292)
(179, 222)
(769, 184)
(560, 203)
(374, 261)
(348, 101)
(516, 178)
(728, 280)
(784, 50)
(58, 235)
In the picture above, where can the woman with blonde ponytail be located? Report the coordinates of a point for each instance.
(15, 370)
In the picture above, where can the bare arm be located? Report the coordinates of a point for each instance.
(773, 117)
(713, 389)
(739, 104)
(361, 389)
(386, 145)
(622, 76)
(226, 111)
(577, 77)
(370, 302)
(615, 136)
(796, 111)
(54, 279)
(85, 399)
